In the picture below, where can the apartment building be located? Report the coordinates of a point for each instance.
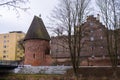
(10, 48)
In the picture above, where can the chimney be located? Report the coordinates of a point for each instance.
(98, 17)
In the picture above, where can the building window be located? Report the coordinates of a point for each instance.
(4, 46)
(4, 51)
(101, 37)
(18, 51)
(93, 56)
(4, 41)
(100, 29)
(101, 47)
(91, 24)
(118, 57)
(92, 38)
(91, 31)
(5, 36)
(4, 56)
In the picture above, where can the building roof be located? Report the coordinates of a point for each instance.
(16, 32)
(37, 30)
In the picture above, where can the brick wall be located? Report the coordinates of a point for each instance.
(94, 40)
(37, 52)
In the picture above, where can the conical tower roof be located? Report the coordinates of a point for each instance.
(37, 30)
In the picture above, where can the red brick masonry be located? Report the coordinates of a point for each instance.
(37, 52)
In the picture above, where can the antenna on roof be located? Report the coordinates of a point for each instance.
(98, 17)
(40, 15)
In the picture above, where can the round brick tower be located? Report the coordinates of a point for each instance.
(37, 48)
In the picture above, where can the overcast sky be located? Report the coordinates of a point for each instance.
(9, 20)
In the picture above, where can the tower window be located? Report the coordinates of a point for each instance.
(34, 55)
(101, 47)
(118, 57)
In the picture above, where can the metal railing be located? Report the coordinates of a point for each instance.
(9, 62)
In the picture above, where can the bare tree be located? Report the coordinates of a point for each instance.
(20, 45)
(14, 5)
(110, 11)
(69, 15)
